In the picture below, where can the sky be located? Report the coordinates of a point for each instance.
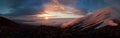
(24, 9)
(15, 7)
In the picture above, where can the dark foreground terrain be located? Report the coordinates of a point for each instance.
(10, 29)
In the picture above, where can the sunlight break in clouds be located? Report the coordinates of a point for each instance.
(56, 10)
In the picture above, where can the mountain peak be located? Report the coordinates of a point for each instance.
(94, 20)
(110, 8)
(111, 12)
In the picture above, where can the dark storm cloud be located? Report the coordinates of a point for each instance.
(26, 7)
(113, 2)
(21, 7)
(68, 2)
(5, 6)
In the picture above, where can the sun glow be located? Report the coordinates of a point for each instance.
(60, 15)
(46, 18)
(55, 9)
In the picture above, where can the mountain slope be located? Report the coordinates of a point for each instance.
(10, 29)
(105, 15)
(8, 23)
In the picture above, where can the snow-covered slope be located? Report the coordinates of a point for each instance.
(98, 19)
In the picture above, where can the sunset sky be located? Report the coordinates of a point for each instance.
(34, 11)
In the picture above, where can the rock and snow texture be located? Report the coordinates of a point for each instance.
(104, 16)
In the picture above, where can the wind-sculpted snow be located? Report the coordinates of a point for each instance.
(105, 15)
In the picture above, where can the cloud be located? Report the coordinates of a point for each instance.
(113, 2)
(26, 7)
